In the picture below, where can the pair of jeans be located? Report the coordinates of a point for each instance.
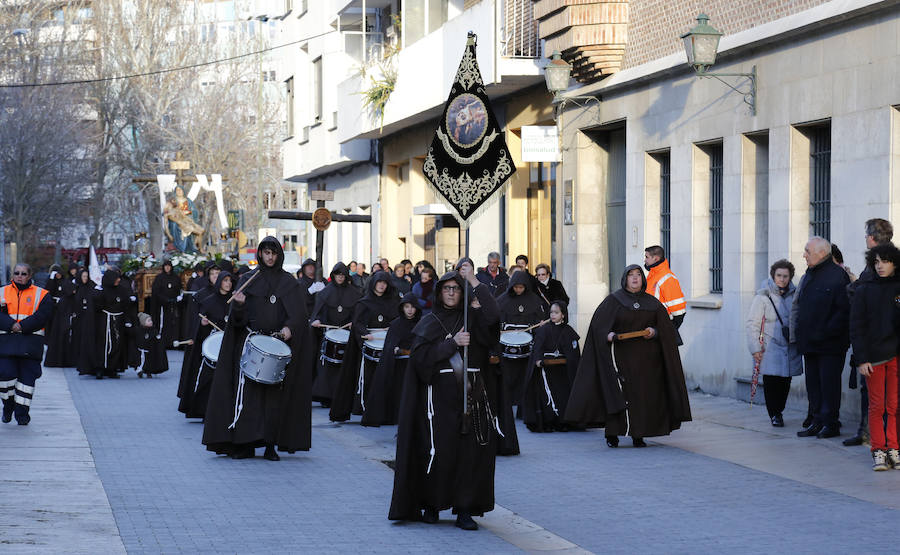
(883, 395)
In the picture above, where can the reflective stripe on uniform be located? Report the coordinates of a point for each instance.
(24, 401)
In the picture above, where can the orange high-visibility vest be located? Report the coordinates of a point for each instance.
(662, 284)
(21, 304)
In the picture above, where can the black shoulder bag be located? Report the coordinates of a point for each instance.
(785, 330)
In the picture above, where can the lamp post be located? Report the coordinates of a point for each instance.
(701, 44)
(557, 74)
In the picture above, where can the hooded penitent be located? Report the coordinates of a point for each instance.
(656, 401)
(241, 413)
(374, 311)
(521, 309)
(57, 333)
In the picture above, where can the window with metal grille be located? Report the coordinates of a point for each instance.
(820, 180)
(715, 218)
(665, 203)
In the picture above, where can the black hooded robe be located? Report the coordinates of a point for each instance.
(516, 310)
(58, 338)
(196, 373)
(371, 312)
(461, 473)
(334, 307)
(107, 324)
(164, 306)
(383, 402)
(278, 414)
(151, 350)
(547, 388)
(642, 393)
(80, 345)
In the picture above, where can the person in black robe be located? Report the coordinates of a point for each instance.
(79, 344)
(242, 414)
(548, 382)
(164, 298)
(196, 372)
(107, 325)
(631, 387)
(190, 314)
(150, 348)
(383, 403)
(520, 307)
(333, 308)
(58, 332)
(197, 275)
(375, 311)
(306, 275)
(445, 458)
(187, 306)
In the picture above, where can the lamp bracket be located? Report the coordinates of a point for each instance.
(749, 95)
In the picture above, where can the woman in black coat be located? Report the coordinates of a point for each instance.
(549, 379)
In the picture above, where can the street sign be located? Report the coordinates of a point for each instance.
(180, 164)
(321, 219)
(540, 143)
(321, 195)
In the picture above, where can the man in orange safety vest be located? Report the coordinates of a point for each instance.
(662, 284)
(25, 309)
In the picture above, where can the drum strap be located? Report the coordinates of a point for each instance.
(239, 398)
(550, 402)
(199, 373)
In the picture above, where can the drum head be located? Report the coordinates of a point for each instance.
(376, 344)
(271, 345)
(515, 338)
(338, 336)
(212, 345)
(379, 334)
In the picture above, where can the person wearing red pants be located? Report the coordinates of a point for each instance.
(874, 314)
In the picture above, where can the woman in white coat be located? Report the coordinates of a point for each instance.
(768, 336)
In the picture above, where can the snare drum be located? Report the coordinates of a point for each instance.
(373, 348)
(516, 344)
(334, 345)
(265, 358)
(211, 347)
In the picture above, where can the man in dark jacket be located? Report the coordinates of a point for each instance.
(494, 276)
(25, 309)
(820, 324)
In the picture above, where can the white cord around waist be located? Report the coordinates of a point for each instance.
(239, 397)
(550, 402)
(619, 380)
(429, 410)
(107, 347)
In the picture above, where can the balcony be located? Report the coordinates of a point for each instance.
(507, 56)
(363, 48)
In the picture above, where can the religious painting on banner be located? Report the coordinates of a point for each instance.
(468, 160)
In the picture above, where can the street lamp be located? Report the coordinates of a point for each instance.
(556, 74)
(701, 44)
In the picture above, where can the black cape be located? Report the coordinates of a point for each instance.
(164, 307)
(461, 473)
(647, 396)
(543, 411)
(58, 332)
(334, 307)
(277, 414)
(106, 324)
(383, 402)
(81, 338)
(372, 311)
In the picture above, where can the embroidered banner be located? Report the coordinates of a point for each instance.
(468, 160)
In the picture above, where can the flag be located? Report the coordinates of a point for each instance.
(468, 160)
(94, 267)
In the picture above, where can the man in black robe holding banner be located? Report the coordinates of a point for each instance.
(446, 443)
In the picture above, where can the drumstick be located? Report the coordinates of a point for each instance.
(242, 287)
(185, 342)
(345, 326)
(529, 328)
(211, 323)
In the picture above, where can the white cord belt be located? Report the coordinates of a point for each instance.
(107, 348)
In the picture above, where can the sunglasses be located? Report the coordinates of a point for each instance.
(20, 273)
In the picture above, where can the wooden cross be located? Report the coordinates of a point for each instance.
(320, 233)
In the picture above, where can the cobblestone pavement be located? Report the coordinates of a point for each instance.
(727, 481)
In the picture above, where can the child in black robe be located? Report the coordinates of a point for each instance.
(151, 348)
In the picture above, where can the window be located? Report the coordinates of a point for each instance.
(715, 218)
(820, 180)
(317, 90)
(665, 203)
(268, 75)
(421, 17)
(289, 90)
(288, 5)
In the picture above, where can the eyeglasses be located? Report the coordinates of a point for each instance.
(451, 288)
(20, 273)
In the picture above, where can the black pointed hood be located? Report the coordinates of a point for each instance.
(109, 278)
(272, 243)
(340, 268)
(223, 275)
(412, 299)
(519, 278)
(381, 275)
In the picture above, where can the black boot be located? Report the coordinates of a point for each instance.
(8, 406)
(638, 442)
(430, 515)
(270, 454)
(243, 453)
(612, 441)
(464, 521)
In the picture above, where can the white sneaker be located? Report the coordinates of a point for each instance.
(878, 458)
(893, 458)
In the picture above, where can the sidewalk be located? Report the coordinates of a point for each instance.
(52, 498)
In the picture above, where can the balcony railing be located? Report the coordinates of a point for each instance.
(365, 48)
(520, 30)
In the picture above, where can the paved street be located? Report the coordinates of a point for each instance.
(727, 481)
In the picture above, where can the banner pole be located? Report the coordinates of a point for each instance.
(464, 226)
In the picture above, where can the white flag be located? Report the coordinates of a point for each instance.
(94, 267)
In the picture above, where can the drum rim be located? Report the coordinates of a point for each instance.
(212, 336)
(251, 342)
(511, 334)
(344, 333)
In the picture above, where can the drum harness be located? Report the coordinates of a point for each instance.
(239, 398)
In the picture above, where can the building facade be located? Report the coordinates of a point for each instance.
(652, 154)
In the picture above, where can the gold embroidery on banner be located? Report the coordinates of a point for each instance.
(463, 191)
(445, 140)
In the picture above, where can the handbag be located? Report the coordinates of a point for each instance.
(785, 330)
